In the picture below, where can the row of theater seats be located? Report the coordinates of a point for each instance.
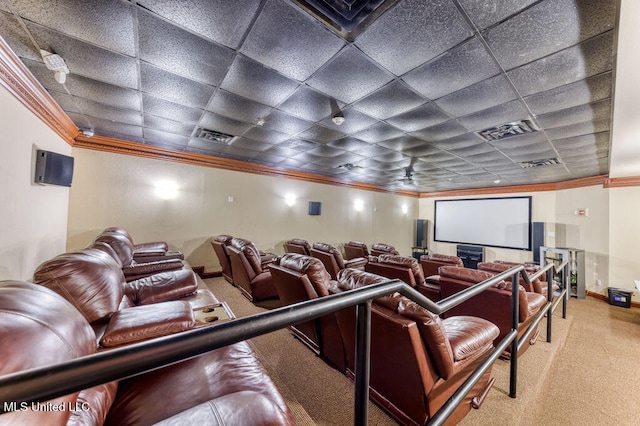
(109, 296)
(418, 360)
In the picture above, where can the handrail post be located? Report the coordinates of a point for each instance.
(363, 346)
(565, 279)
(549, 306)
(515, 316)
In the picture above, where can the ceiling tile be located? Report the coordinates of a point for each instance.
(393, 99)
(162, 139)
(402, 143)
(393, 41)
(354, 121)
(581, 92)
(501, 114)
(265, 135)
(379, 132)
(236, 107)
(250, 143)
(485, 94)
(567, 66)
(349, 76)
(595, 111)
(465, 64)
(485, 14)
(173, 88)
(445, 130)
(171, 110)
(254, 81)
(290, 41)
(548, 27)
(101, 23)
(309, 104)
(579, 129)
(167, 125)
(419, 118)
(285, 123)
(222, 124)
(180, 52)
(320, 134)
(348, 144)
(219, 20)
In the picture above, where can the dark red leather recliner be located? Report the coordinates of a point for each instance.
(418, 360)
(298, 278)
(431, 264)
(250, 270)
(220, 244)
(297, 245)
(381, 248)
(393, 266)
(332, 259)
(355, 249)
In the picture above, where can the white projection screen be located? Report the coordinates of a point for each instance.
(492, 222)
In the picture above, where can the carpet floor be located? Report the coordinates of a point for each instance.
(585, 376)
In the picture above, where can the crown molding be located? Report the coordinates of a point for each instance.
(119, 146)
(556, 186)
(18, 80)
(622, 182)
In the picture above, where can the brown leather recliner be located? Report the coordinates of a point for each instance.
(219, 244)
(297, 245)
(417, 359)
(381, 248)
(120, 248)
(539, 285)
(355, 249)
(298, 278)
(332, 259)
(493, 304)
(148, 252)
(393, 266)
(431, 263)
(39, 328)
(250, 270)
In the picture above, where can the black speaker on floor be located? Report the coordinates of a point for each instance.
(537, 240)
(422, 233)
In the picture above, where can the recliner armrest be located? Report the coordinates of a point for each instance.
(141, 270)
(153, 246)
(357, 263)
(161, 287)
(146, 322)
(156, 256)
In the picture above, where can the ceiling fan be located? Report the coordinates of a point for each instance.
(408, 174)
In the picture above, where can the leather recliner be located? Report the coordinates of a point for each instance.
(39, 328)
(431, 263)
(494, 303)
(250, 270)
(148, 252)
(380, 248)
(220, 244)
(539, 285)
(298, 278)
(393, 266)
(93, 283)
(418, 360)
(297, 245)
(120, 248)
(355, 249)
(332, 259)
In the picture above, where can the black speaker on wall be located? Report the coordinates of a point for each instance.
(422, 233)
(537, 240)
(315, 208)
(53, 168)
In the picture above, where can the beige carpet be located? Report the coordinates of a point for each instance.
(585, 376)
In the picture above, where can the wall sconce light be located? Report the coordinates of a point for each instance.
(358, 205)
(405, 209)
(167, 190)
(290, 200)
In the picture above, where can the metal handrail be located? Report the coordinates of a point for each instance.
(45, 383)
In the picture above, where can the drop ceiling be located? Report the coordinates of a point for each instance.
(419, 83)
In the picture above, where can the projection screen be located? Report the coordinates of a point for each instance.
(492, 222)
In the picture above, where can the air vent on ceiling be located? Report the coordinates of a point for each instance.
(507, 130)
(213, 136)
(538, 163)
(347, 18)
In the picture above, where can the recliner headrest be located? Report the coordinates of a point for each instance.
(444, 258)
(404, 261)
(90, 279)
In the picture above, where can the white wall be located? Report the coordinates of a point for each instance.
(33, 218)
(119, 190)
(624, 238)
